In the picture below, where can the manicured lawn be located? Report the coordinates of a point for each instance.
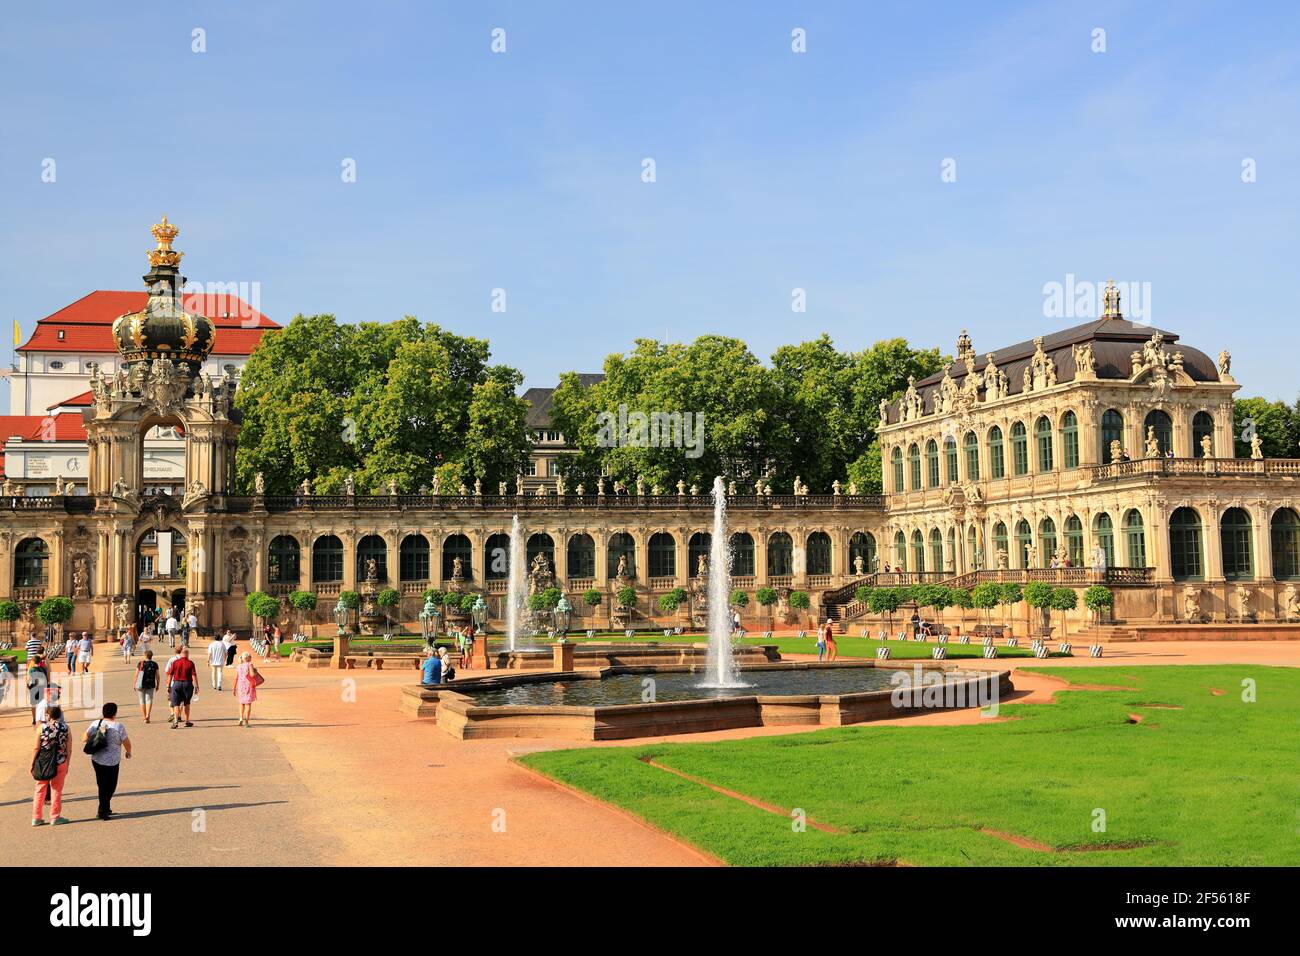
(1211, 784)
(903, 650)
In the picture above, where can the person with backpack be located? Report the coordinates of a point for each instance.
(106, 742)
(146, 684)
(50, 767)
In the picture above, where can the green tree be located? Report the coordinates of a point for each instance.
(627, 597)
(591, 597)
(670, 601)
(739, 598)
(1063, 599)
(1038, 595)
(986, 596)
(1098, 599)
(55, 611)
(885, 601)
(1276, 423)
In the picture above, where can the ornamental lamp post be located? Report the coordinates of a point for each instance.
(429, 620)
(561, 616)
(339, 659)
(478, 614)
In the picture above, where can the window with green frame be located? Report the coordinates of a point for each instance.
(932, 463)
(997, 461)
(1047, 541)
(900, 551)
(1105, 534)
(1074, 540)
(1020, 448)
(950, 452)
(914, 466)
(1135, 539)
(936, 549)
(918, 551)
(1024, 540)
(1285, 540)
(1202, 427)
(1236, 536)
(999, 542)
(972, 457)
(1186, 554)
(1112, 430)
(1163, 427)
(1069, 441)
(1043, 436)
(896, 459)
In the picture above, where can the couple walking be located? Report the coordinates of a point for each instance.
(106, 741)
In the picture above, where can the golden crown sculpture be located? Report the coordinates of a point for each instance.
(165, 255)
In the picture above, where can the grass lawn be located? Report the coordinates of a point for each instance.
(866, 647)
(1210, 784)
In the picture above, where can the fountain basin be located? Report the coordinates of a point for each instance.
(829, 694)
(590, 655)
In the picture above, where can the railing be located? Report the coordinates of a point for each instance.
(662, 584)
(328, 589)
(30, 593)
(498, 586)
(816, 581)
(1198, 468)
(742, 582)
(409, 588)
(549, 502)
(780, 580)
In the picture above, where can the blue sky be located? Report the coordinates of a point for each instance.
(774, 170)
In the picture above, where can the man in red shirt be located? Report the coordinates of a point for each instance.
(182, 685)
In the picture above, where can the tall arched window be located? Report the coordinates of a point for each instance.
(496, 557)
(1024, 541)
(1186, 555)
(413, 558)
(458, 546)
(621, 547)
(662, 555)
(580, 557)
(1046, 541)
(542, 544)
(1284, 535)
(698, 547)
(1135, 539)
(372, 546)
(972, 545)
(742, 554)
(282, 560)
(1163, 427)
(914, 466)
(818, 553)
(972, 444)
(1202, 428)
(997, 460)
(780, 554)
(1019, 449)
(896, 459)
(918, 551)
(1069, 441)
(950, 456)
(900, 551)
(1043, 437)
(936, 550)
(31, 564)
(1112, 430)
(862, 545)
(1074, 540)
(327, 559)
(932, 463)
(952, 550)
(1237, 539)
(1000, 543)
(1105, 535)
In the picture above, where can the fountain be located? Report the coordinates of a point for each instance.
(720, 668)
(517, 587)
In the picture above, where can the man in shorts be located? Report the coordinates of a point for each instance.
(85, 651)
(182, 685)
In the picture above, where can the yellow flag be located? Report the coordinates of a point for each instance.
(18, 334)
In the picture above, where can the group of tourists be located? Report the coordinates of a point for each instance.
(827, 648)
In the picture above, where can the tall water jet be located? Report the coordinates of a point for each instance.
(517, 586)
(720, 665)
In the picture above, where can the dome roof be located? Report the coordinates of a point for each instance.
(163, 328)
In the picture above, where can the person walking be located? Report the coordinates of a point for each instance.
(191, 626)
(247, 680)
(216, 661)
(821, 643)
(182, 685)
(50, 767)
(232, 647)
(828, 635)
(107, 742)
(467, 653)
(85, 651)
(171, 627)
(36, 647)
(128, 645)
(38, 682)
(72, 645)
(146, 684)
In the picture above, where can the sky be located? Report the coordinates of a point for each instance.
(917, 170)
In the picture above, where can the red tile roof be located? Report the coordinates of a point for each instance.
(68, 426)
(84, 400)
(87, 323)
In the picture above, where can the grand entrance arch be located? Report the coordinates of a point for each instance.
(160, 560)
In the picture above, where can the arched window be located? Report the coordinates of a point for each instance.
(1046, 541)
(413, 558)
(742, 554)
(458, 546)
(580, 558)
(372, 546)
(997, 460)
(31, 564)
(950, 454)
(1024, 541)
(932, 463)
(1237, 539)
(896, 459)
(1074, 541)
(540, 543)
(918, 551)
(1202, 428)
(936, 549)
(914, 466)
(621, 546)
(972, 456)
(496, 557)
(327, 559)
(282, 560)
(1104, 532)
(817, 557)
(1043, 435)
(1285, 538)
(862, 545)
(1186, 555)
(780, 554)
(900, 551)
(1112, 430)
(973, 559)
(698, 547)
(952, 550)
(662, 555)
(1069, 441)
(1000, 543)
(1163, 427)
(1019, 449)
(1135, 539)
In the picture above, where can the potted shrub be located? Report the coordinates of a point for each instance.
(261, 606)
(1038, 595)
(1063, 599)
(670, 602)
(303, 603)
(54, 612)
(799, 601)
(884, 602)
(10, 611)
(986, 596)
(766, 597)
(739, 600)
(1010, 594)
(388, 598)
(961, 598)
(1097, 599)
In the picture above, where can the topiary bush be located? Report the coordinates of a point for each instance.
(1038, 594)
(350, 600)
(799, 600)
(591, 597)
(766, 596)
(986, 596)
(55, 611)
(627, 597)
(739, 599)
(262, 606)
(670, 601)
(1063, 599)
(10, 610)
(1098, 599)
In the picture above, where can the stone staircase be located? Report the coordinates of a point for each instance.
(1108, 633)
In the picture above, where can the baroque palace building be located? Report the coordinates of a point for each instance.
(1100, 454)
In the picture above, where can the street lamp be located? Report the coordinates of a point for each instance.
(429, 620)
(341, 615)
(478, 613)
(560, 616)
